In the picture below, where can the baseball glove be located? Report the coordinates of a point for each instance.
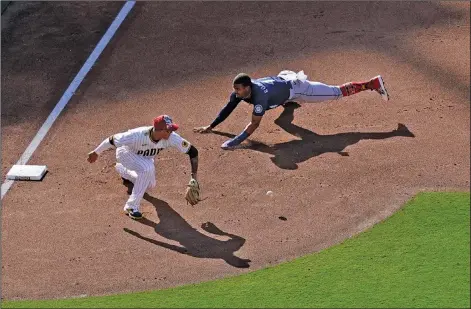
(193, 191)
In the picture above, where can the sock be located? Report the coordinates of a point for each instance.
(356, 87)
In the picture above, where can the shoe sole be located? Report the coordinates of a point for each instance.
(131, 216)
(385, 94)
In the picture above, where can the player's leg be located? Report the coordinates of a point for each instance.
(145, 179)
(126, 173)
(376, 83)
(129, 163)
(141, 172)
(309, 91)
(128, 176)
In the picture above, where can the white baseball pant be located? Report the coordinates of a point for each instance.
(314, 91)
(309, 91)
(137, 169)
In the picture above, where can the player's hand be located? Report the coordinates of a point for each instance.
(92, 157)
(230, 144)
(205, 129)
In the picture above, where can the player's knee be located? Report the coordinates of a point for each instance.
(149, 169)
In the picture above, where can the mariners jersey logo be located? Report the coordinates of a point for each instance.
(258, 108)
(149, 152)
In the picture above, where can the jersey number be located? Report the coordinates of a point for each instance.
(148, 152)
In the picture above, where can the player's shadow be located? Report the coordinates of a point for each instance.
(173, 227)
(287, 155)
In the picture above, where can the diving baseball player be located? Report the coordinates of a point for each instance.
(270, 92)
(135, 152)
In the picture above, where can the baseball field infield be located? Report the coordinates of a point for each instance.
(335, 229)
(418, 258)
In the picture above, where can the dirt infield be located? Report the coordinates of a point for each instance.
(335, 168)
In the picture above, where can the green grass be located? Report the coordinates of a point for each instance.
(417, 258)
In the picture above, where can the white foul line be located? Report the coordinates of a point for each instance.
(69, 92)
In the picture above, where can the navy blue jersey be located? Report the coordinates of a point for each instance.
(267, 93)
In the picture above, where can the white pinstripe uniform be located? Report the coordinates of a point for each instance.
(135, 154)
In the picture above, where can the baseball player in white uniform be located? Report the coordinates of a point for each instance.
(135, 152)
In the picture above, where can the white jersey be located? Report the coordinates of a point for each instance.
(139, 141)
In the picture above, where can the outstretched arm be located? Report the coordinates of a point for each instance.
(193, 153)
(223, 114)
(184, 146)
(105, 145)
(115, 141)
(253, 125)
(249, 129)
(192, 194)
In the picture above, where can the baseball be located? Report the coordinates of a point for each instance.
(270, 193)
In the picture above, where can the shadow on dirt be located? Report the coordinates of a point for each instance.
(287, 155)
(173, 227)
